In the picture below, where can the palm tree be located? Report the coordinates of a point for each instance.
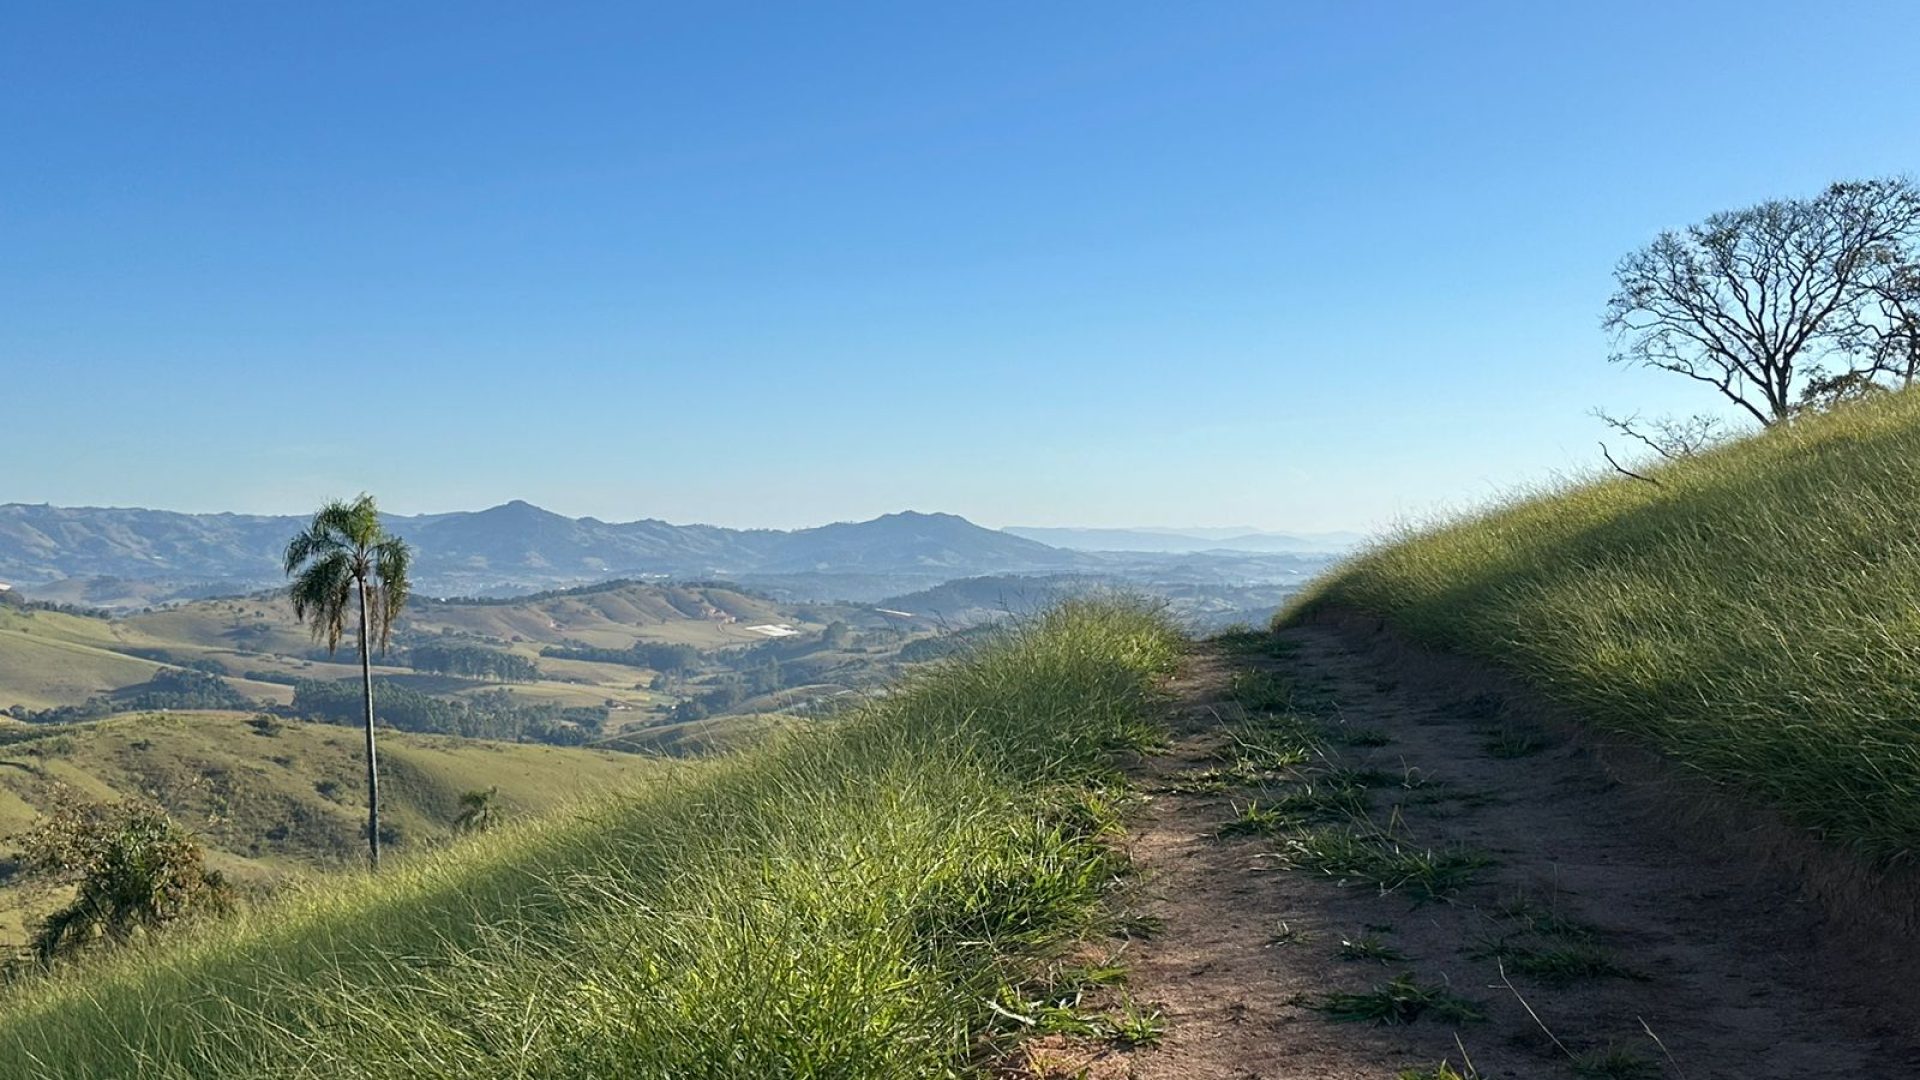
(343, 552)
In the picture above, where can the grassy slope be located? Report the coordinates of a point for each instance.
(42, 671)
(839, 904)
(1756, 617)
(257, 800)
(49, 658)
(615, 618)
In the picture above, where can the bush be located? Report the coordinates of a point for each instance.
(133, 870)
(479, 810)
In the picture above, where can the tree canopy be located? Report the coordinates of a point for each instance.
(1783, 304)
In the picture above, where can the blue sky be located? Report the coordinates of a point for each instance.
(1299, 266)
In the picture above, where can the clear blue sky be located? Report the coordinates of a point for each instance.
(1286, 265)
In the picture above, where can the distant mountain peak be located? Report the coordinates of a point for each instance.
(519, 507)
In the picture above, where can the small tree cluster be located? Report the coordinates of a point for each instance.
(132, 868)
(471, 661)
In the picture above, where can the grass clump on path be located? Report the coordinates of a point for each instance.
(1367, 855)
(1399, 1000)
(843, 903)
(1755, 616)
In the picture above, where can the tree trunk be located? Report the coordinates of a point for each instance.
(373, 768)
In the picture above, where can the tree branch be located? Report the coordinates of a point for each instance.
(1624, 471)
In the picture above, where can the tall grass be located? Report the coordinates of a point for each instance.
(1756, 616)
(842, 904)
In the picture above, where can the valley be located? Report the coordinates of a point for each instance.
(226, 713)
(224, 710)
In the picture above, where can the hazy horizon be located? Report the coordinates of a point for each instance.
(1195, 531)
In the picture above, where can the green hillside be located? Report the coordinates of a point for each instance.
(613, 616)
(584, 649)
(843, 902)
(275, 800)
(50, 658)
(43, 670)
(1755, 616)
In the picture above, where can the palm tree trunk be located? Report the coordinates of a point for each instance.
(373, 770)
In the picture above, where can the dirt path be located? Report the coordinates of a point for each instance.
(1606, 929)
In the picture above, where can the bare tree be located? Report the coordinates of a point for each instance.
(1757, 302)
(1671, 437)
(1668, 436)
(1890, 331)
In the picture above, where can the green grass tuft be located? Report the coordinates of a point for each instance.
(1513, 743)
(1350, 854)
(1307, 804)
(1614, 1064)
(1370, 947)
(1538, 918)
(1263, 692)
(1400, 1000)
(1246, 641)
(1558, 964)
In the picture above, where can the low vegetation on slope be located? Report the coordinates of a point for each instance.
(1754, 613)
(274, 799)
(841, 903)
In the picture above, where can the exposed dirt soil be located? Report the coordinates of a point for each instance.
(1658, 962)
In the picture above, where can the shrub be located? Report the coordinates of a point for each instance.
(132, 869)
(479, 810)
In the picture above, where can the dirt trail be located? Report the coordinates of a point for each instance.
(1602, 924)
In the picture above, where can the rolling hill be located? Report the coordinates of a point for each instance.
(274, 801)
(54, 658)
(273, 794)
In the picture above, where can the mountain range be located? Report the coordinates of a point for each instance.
(127, 558)
(515, 545)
